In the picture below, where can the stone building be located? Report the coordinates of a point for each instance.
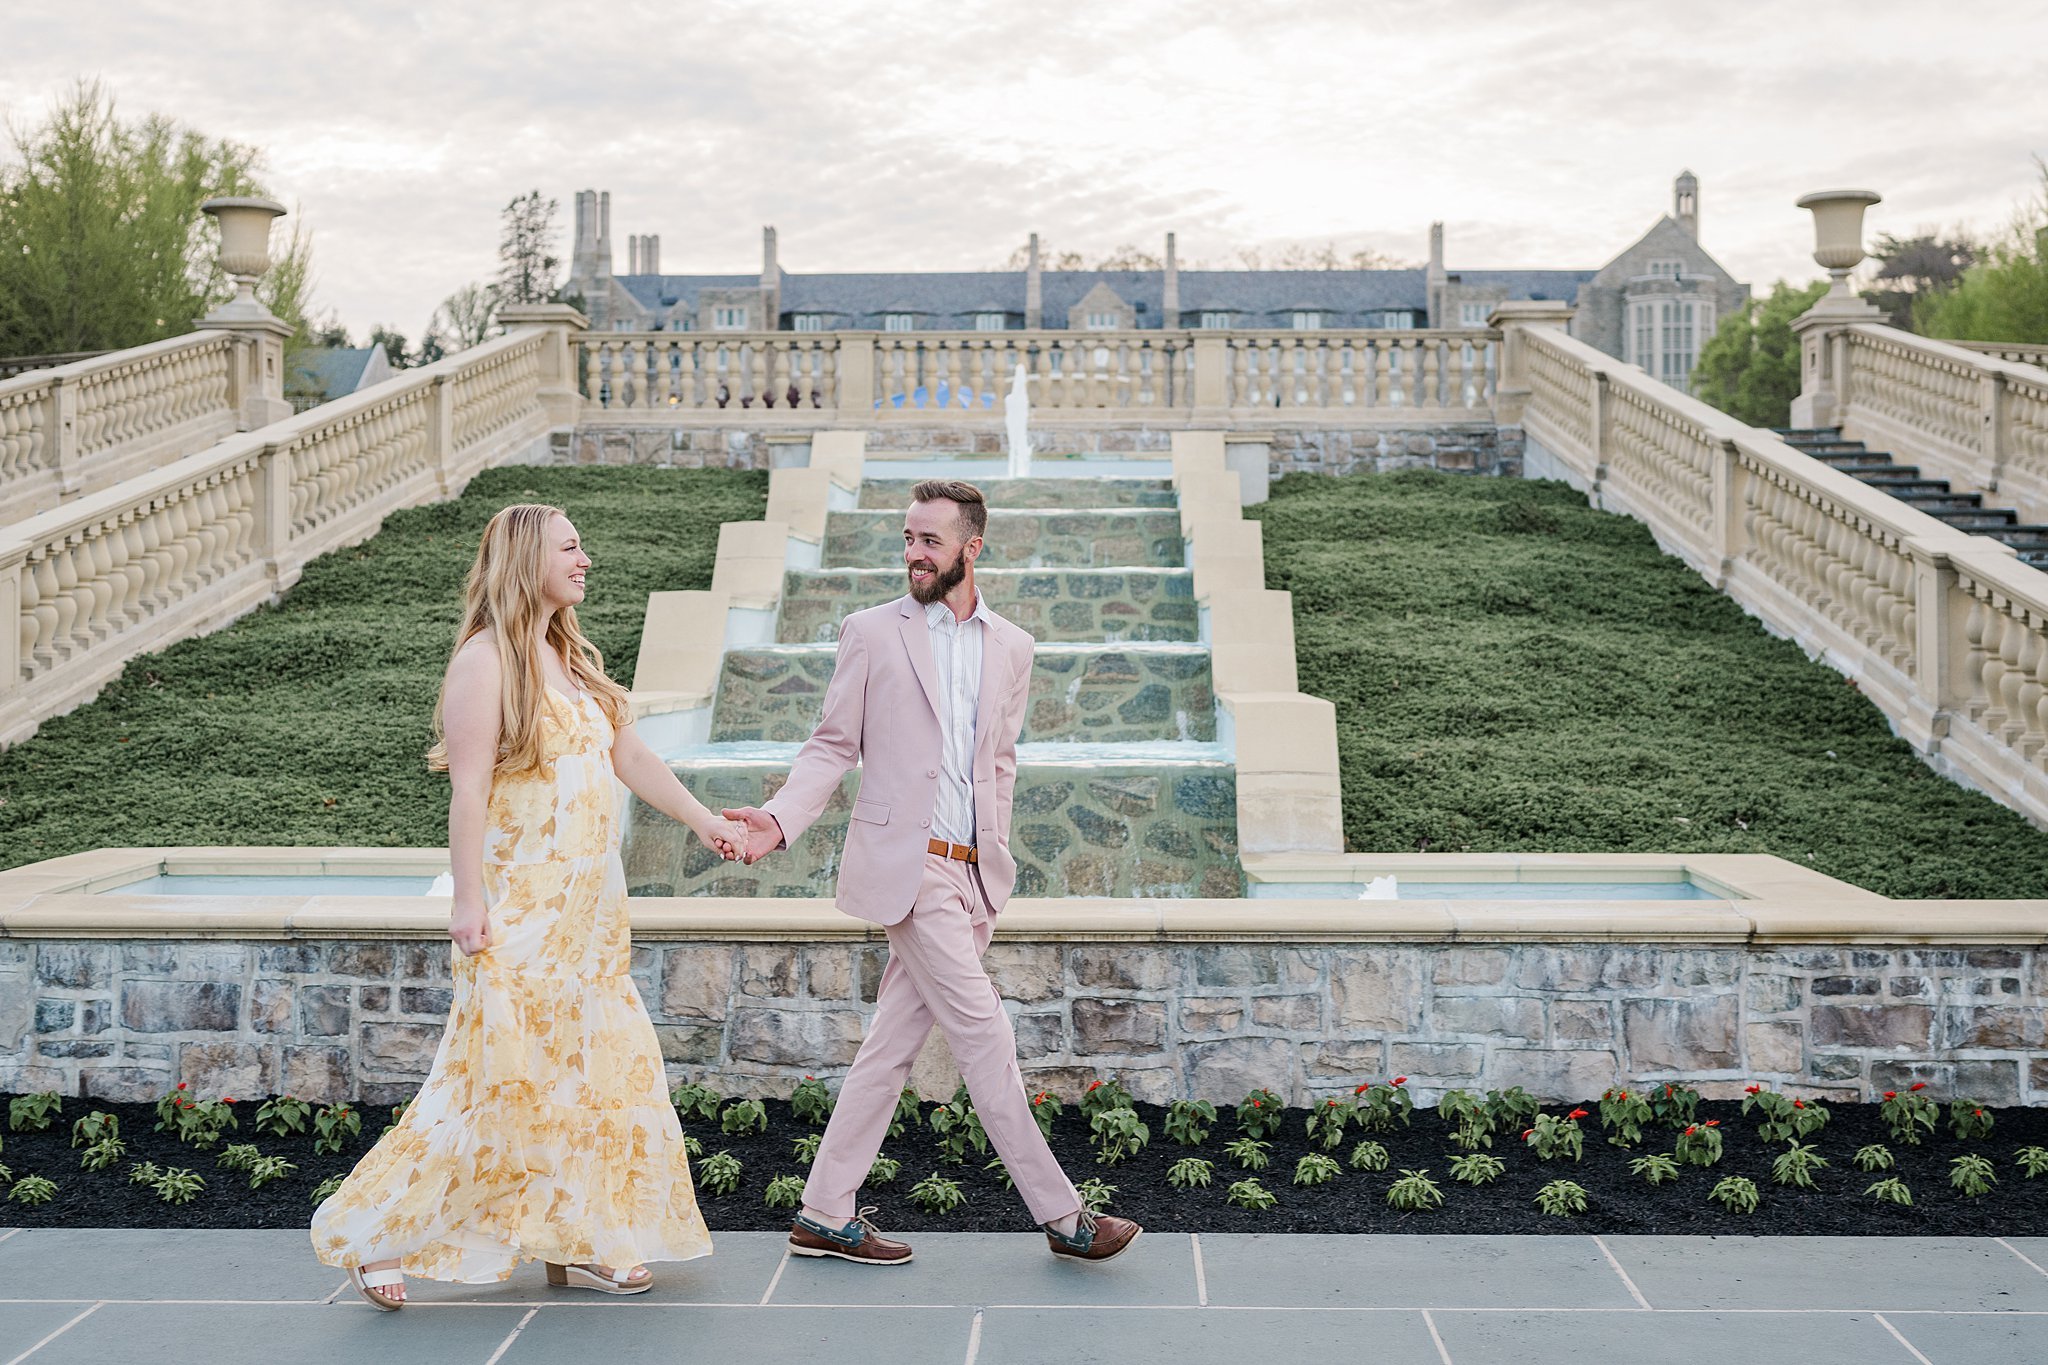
(1657, 300)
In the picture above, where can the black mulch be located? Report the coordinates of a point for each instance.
(1354, 1202)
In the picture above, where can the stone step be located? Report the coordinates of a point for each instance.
(1922, 492)
(1828, 447)
(1795, 434)
(1886, 476)
(1977, 520)
(2021, 538)
(1079, 492)
(1023, 538)
(1857, 461)
(1080, 606)
(1104, 694)
(1088, 821)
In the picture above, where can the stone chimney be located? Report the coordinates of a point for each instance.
(633, 254)
(1169, 303)
(583, 255)
(771, 282)
(603, 269)
(1034, 288)
(650, 254)
(1435, 278)
(1685, 203)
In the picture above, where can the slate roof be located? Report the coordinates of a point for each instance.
(332, 371)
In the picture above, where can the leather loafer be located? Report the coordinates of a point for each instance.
(858, 1241)
(1097, 1237)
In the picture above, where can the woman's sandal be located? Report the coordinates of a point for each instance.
(369, 1282)
(589, 1277)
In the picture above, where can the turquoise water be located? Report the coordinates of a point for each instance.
(1412, 889)
(273, 884)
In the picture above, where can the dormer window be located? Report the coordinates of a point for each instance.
(1104, 322)
(727, 319)
(1473, 314)
(899, 322)
(1667, 269)
(1307, 321)
(808, 322)
(991, 322)
(1216, 321)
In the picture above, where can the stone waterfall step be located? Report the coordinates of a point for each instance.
(1023, 538)
(1104, 694)
(1964, 511)
(1076, 492)
(1082, 606)
(1088, 820)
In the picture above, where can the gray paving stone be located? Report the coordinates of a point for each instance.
(22, 1325)
(737, 1271)
(263, 1334)
(143, 1263)
(1975, 1338)
(620, 1335)
(1304, 1270)
(998, 1267)
(1954, 1274)
(1667, 1338)
(1034, 1336)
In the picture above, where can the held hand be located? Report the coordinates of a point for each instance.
(764, 836)
(469, 930)
(728, 838)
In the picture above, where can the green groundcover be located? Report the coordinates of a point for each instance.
(1512, 670)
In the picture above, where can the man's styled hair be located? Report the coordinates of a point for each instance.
(964, 495)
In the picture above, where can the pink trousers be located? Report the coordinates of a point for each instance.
(935, 976)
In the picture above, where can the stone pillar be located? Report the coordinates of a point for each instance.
(771, 282)
(1511, 319)
(1435, 277)
(1034, 290)
(1169, 303)
(245, 256)
(1685, 203)
(1212, 392)
(652, 252)
(559, 397)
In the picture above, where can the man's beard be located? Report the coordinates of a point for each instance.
(940, 583)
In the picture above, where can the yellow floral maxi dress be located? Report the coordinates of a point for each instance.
(544, 1130)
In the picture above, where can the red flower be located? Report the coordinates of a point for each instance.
(1917, 1085)
(181, 1085)
(1891, 1094)
(1576, 1114)
(1799, 1104)
(1977, 1113)
(1622, 1096)
(1363, 1088)
(1332, 1104)
(1667, 1092)
(1751, 1089)
(1095, 1085)
(1691, 1130)
(1713, 1123)
(1255, 1104)
(227, 1099)
(1526, 1132)
(1400, 1080)
(810, 1078)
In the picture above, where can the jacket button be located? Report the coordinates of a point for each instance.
(934, 772)
(924, 824)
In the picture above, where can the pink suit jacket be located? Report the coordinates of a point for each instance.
(882, 711)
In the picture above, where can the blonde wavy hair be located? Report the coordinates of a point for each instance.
(503, 595)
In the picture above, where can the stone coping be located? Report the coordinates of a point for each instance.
(1782, 903)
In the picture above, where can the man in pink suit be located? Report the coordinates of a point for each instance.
(928, 696)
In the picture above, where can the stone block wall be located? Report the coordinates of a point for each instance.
(324, 1020)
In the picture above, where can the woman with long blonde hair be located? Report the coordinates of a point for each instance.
(544, 1129)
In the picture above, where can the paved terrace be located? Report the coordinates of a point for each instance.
(984, 1298)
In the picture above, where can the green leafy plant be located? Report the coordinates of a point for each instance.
(1380, 1105)
(283, 1116)
(805, 1148)
(996, 1167)
(1562, 1198)
(936, 1194)
(1260, 1114)
(884, 1170)
(144, 1173)
(1735, 1193)
(959, 1129)
(332, 1125)
(1118, 1135)
(1316, 1169)
(2032, 1160)
(742, 1117)
(94, 1128)
(1874, 1157)
(1249, 1194)
(811, 1102)
(265, 1169)
(324, 1191)
(784, 1192)
(1891, 1190)
(1368, 1156)
(719, 1173)
(33, 1113)
(103, 1154)
(1654, 1168)
(1552, 1136)
(1908, 1113)
(1045, 1107)
(1623, 1115)
(1248, 1152)
(695, 1101)
(1674, 1105)
(239, 1156)
(1699, 1144)
(1095, 1194)
(1326, 1123)
(1102, 1096)
(32, 1190)
(909, 1113)
(1470, 1117)
(692, 1148)
(1971, 1175)
(1188, 1122)
(176, 1185)
(1969, 1120)
(1414, 1191)
(1796, 1165)
(1785, 1119)
(397, 1115)
(1189, 1172)
(1476, 1168)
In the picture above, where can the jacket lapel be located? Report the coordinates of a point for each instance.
(995, 676)
(917, 638)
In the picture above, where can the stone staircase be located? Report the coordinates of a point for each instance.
(1935, 497)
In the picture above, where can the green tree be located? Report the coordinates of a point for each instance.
(102, 244)
(1749, 368)
(392, 342)
(526, 259)
(2004, 296)
(1913, 268)
(464, 319)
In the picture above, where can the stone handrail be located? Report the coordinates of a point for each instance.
(2019, 352)
(185, 548)
(855, 376)
(12, 365)
(1946, 632)
(1979, 420)
(75, 428)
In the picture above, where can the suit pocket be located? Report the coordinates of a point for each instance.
(874, 812)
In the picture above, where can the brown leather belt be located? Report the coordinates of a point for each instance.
(962, 852)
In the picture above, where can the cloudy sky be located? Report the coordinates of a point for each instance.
(936, 136)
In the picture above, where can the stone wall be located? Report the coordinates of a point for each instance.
(127, 1019)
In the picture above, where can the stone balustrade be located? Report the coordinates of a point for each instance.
(2019, 352)
(77, 428)
(1205, 375)
(185, 548)
(1946, 632)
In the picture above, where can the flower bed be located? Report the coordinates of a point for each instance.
(1349, 1199)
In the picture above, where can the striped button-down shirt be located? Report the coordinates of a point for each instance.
(956, 649)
